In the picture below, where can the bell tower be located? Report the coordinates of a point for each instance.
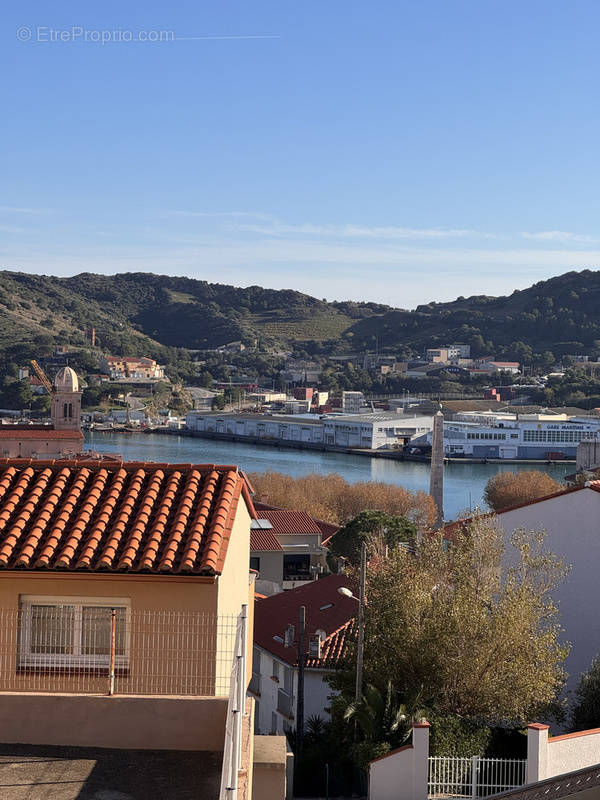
(66, 401)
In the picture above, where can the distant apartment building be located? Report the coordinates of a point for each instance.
(127, 367)
(300, 371)
(497, 366)
(297, 406)
(353, 402)
(451, 352)
(286, 549)
(266, 396)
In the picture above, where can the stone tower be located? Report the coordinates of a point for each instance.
(66, 401)
(436, 480)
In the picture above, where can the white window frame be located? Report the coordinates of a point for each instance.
(77, 659)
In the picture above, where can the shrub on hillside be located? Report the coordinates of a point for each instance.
(511, 488)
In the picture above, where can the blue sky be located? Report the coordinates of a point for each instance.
(392, 151)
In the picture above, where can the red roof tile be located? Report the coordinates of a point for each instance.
(284, 521)
(328, 529)
(23, 432)
(119, 516)
(264, 540)
(326, 610)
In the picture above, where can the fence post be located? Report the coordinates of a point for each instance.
(420, 755)
(537, 752)
(474, 766)
(113, 642)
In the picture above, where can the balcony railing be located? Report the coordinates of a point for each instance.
(285, 703)
(87, 649)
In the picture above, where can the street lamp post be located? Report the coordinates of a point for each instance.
(361, 622)
(300, 701)
(360, 651)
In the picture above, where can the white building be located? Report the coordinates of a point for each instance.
(371, 431)
(374, 431)
(353, 402)
(570, 519)
(526, 436)
(274, 684)
(286, 549)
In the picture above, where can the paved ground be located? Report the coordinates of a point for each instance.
(30, 772)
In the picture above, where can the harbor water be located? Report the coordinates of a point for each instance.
(463, 482)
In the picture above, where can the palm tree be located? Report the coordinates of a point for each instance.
(380, 718)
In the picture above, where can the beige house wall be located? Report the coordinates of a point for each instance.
(236, 586)
(147, 592)
(163, 673)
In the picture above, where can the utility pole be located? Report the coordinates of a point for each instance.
(300, 701)
(361, 622)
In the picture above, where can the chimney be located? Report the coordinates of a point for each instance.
(264, 498)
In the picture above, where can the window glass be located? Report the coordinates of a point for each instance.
(96, 631)
(52, 629)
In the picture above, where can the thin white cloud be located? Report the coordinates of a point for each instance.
(359, 231)
(22, 210)
(561, 236)
(221, 214)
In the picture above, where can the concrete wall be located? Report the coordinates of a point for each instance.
(403, 773)
(150, 723)
(571, 523)
(270, 759)
(548, 757)
(271, 565)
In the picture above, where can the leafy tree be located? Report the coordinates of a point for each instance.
(333, 499)
(377, 529)
(447, 623)
(586, 709)
(507, 489)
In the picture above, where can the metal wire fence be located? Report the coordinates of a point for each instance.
(98, 648)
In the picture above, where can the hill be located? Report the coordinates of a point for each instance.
(160, 310)
(145, 313)
(561, 315)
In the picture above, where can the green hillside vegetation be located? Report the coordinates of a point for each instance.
(158, 316)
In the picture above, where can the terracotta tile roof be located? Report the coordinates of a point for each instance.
(328, 529)
(264, 540)
(326, 610)
(24, 432)
(284, 521)
(117, 516)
